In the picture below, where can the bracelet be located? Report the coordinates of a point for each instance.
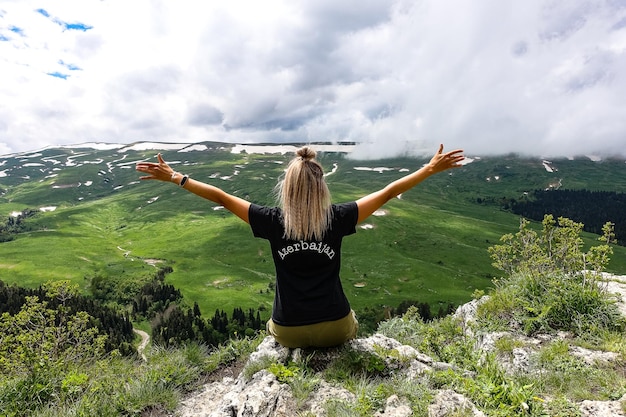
(184, 180)
(173, 175)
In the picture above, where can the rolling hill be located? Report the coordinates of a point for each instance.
(96, 219)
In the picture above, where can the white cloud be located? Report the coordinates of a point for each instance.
(542, 77)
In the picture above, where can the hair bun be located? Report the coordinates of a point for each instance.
(306, 153)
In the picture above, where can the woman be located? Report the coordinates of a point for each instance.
(305, 235)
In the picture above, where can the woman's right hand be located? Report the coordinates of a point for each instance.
(156, 171)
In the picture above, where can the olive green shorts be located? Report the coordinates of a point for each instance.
(324, 334)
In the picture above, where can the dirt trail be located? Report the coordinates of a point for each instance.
(145, 339)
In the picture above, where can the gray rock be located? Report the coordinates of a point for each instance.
(447, 402)
(378, 343)
(269, 348)
(467, 313)
(324, 393)
(395, 407)
(261, 396)
(593, 357)
(603, 408)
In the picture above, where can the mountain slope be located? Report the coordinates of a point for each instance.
(430, 245)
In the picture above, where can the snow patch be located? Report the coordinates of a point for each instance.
(49, 208)
(332, 171)
(380, 170)
(263, 149)
(194, 148)
(32, 155)
(548, 166)
(94, 145)
(283, 149)
(153, 146)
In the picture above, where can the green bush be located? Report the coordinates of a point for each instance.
(112, 385)
(551, 283)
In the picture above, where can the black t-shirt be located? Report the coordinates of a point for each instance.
(308, 288)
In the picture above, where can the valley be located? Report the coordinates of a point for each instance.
(96, 219)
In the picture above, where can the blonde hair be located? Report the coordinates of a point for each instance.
(304, 197)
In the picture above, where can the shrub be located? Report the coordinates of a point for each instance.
(551, 283)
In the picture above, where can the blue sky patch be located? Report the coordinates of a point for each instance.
(70, 67)
(43, 12)
(74, 26)
(65, 25)
(78, 26)
(17, 30)
(58, 75)
(3, 38)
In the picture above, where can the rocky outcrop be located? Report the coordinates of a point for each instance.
(262, 394)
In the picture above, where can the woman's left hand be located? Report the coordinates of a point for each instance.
(443, 161)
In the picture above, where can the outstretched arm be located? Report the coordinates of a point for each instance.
(438, 163)
(163, 172)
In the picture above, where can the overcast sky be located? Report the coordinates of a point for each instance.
(491, 76)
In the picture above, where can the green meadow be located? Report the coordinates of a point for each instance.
(429, 245)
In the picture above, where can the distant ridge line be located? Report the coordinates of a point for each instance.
(156, 145)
